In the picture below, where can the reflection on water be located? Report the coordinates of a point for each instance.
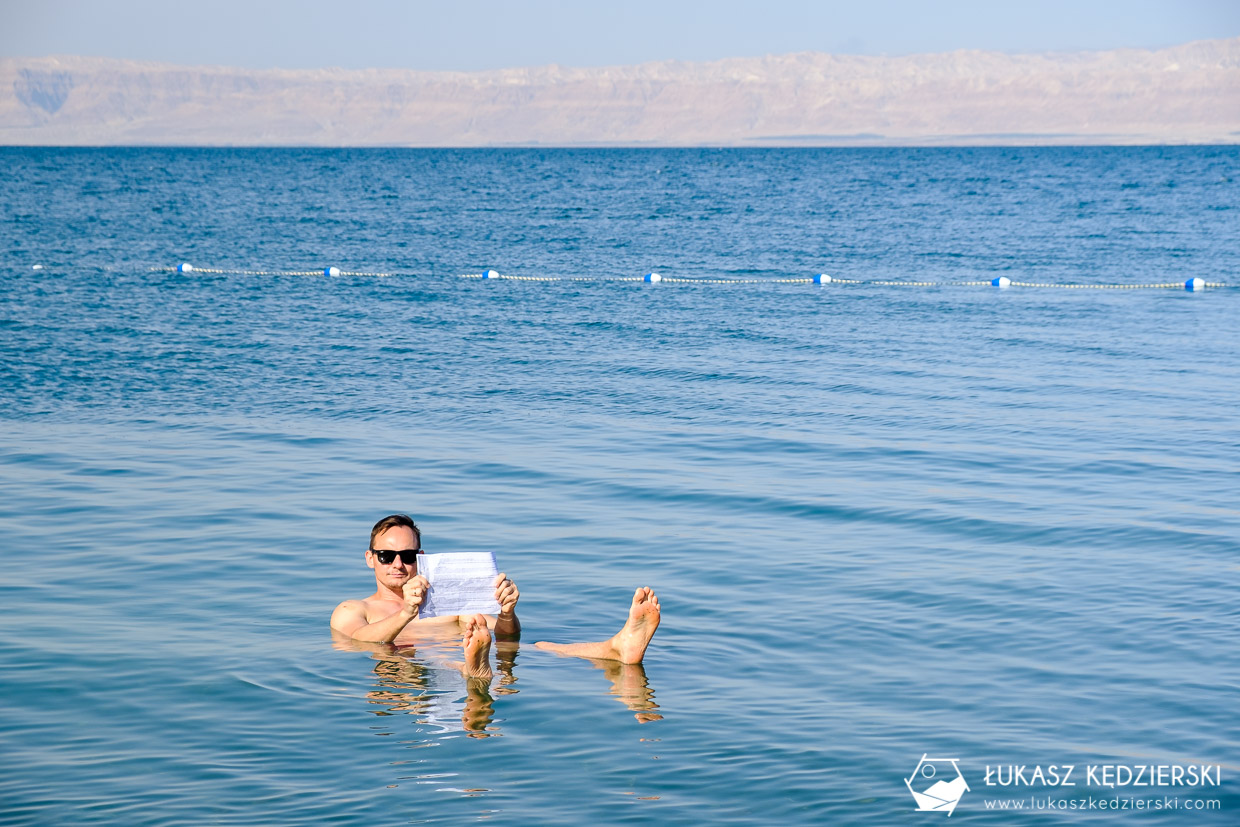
(632, 688)
(430, 686)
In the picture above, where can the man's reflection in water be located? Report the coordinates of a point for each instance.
(402, 686)
(406, 685)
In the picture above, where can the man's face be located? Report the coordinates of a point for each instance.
(398, 572)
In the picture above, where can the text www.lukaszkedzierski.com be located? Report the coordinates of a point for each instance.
(1091, 803)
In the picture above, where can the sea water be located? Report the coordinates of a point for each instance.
(884, 522)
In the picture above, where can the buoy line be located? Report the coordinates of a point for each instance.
(1002, 282)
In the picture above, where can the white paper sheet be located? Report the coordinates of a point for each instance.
(461, 583)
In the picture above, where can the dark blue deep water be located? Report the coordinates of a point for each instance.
(995, 525)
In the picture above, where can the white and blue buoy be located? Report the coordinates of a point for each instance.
(490, 274)
(331, 272)
(822, 278)
(1001, 281)
(185, 268)
(1193, 285)
(653, 278)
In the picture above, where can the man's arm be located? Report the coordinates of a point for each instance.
(350, 616)
(350, 619)
(506, 625)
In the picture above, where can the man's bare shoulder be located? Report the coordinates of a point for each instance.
(349, 612)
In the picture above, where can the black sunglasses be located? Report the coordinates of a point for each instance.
(385, 556)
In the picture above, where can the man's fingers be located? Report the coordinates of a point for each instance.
(507, 596)
(506, 593)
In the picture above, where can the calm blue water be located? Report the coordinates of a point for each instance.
(1000, 526)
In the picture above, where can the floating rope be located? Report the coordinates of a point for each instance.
(491, 274)
(823, 278)
(1192, 285)
(327, 271)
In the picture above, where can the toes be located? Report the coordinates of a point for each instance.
(472, 629)
(476, 631)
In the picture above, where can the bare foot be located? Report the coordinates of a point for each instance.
(631, 641)
(477, 649)
(629, 644)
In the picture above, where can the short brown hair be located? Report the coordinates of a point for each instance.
(392, 521)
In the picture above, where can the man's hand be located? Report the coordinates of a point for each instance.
(506, 595)
(415, 594)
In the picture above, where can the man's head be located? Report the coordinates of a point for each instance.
(394, 533)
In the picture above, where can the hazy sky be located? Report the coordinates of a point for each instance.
(487, 34)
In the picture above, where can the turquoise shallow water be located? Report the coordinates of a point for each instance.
(883, 522)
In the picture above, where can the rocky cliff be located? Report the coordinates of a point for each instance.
(1188, 93)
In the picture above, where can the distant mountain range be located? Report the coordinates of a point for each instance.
(1185, 94)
